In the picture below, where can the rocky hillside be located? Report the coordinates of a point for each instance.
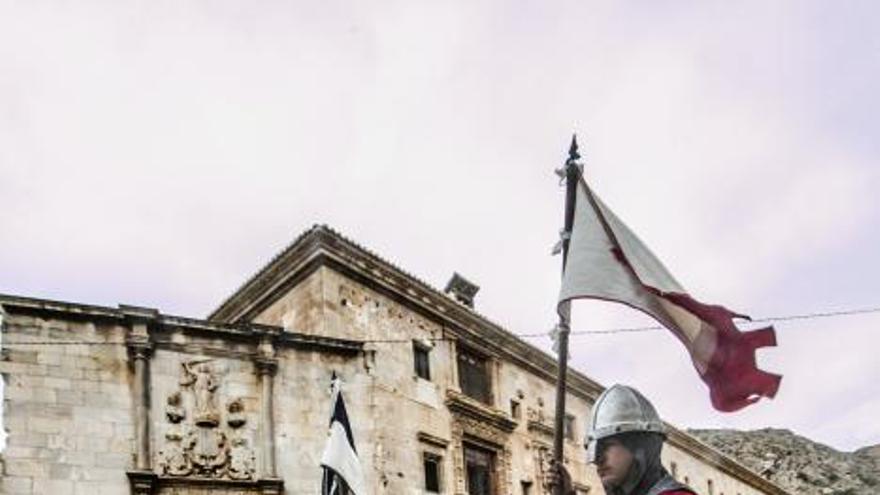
(798, 464)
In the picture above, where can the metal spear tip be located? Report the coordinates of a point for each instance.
(573, 154)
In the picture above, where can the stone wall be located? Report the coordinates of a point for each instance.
(388, 405)
(395, 409)
(401, 416)
(71, 409)
(206, 391)
(68, 408)
(302, 412)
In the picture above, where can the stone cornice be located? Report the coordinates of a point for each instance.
(68, 309)
(321, 246)
(161, 324)
(432, 439)
(266, 278)
(539, 427)
(138, 314)
(264, 486)
(459, 403)
(142, 482)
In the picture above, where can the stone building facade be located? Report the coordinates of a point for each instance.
(125, 400)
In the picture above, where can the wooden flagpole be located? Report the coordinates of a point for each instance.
(572, 175)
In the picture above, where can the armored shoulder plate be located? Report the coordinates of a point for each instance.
(666, 484)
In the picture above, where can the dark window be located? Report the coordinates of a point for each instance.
(526, 487)
(479, 465)
(568, 427)
(514, 409)
(473, 376)
(432, 473)
(421, 361)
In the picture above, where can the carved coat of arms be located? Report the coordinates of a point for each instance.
(202, 440)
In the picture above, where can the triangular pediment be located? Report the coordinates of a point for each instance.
(321, 247)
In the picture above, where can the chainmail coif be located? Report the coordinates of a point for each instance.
(646, 469)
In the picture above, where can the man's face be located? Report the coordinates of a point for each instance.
(613, 462)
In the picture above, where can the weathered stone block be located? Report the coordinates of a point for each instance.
(16, 485)
(81, 459)
(15, 451)
(64, 372)
(53, 486)
(122, 445)
(31, 468)
(92, 444)
(63, 442)
(49, 425)
(18, 355)
(44, 395)
(61, 471)
(101, 473)
(57, 383)
(120, 460)
(70, 397)
(49, 356)
(28, 439)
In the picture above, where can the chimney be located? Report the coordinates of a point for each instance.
(462, 290)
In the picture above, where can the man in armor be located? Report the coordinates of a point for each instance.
(624, 442)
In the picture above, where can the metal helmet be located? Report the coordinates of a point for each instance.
(620, 409)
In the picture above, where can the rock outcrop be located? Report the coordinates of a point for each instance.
(797, 463)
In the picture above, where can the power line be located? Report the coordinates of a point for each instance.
(650, 328)
(827, 314)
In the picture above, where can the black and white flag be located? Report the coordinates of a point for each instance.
(342, 468)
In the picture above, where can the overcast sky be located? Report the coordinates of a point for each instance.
(158, 153)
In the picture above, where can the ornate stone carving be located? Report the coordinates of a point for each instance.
(235, 417)
(536, 413)
(466, 407)
(209, 452)
(173, 458)
(540, 428)
(174, 409)
(197, 443)
(543, 463)
(204, 382)
(241, 460)
(537, 419)
(266, 366)
(487, 432)
(507, 475)
(139, 348)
